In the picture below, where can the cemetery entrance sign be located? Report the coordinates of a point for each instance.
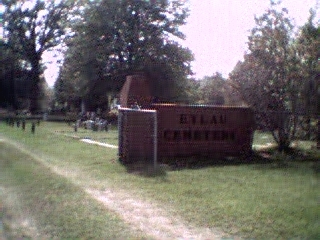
(187, 130)
(182, 130)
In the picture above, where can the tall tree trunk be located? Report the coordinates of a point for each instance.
(285, 131)
(284, 142)
(35, 89)
(318, 135)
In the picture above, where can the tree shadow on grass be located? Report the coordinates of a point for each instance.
(198, 162)
(146, 168)
(266, 158)
(295, 159)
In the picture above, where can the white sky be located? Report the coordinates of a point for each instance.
(217, 31)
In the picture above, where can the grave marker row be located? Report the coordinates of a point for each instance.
(10, 121)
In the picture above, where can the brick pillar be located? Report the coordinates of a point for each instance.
(136, 89)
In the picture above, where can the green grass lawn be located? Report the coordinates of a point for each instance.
(60, 209)
(277, 197)
(110, 137)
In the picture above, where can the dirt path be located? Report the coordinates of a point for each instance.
(149, 218)
(141, 215)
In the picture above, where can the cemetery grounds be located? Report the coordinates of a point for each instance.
(53, 186)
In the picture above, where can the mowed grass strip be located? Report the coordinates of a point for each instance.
(278, 199)
(60, 209)
(258, 201)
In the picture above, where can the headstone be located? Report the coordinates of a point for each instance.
(89, 124)
(33, 128)
(95, 127)
(45, 117)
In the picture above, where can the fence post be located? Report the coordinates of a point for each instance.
(120, 132)
(318, 135)
(33, 128)
(155, 139)
(23, 125)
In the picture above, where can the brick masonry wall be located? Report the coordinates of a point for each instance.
(137, 130)
(135, 89)
(184, 130)
(203, 130)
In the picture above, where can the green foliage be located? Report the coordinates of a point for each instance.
(307, 46)
(8, 62)
(216, 90)
(192, 91)
(33, 28)
(271, 78)
(115, 38)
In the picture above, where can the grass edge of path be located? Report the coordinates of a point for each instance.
(60, 209)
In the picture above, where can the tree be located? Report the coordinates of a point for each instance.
(33, 28)
(116, 38)
(216, 90)
(268, 78)
(308, 50)
(13, 87)
(65, 90)
(8, 66)
(213, 89)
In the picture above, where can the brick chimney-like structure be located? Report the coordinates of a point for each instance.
(136, 90)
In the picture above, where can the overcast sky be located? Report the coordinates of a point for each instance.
(217, 31)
